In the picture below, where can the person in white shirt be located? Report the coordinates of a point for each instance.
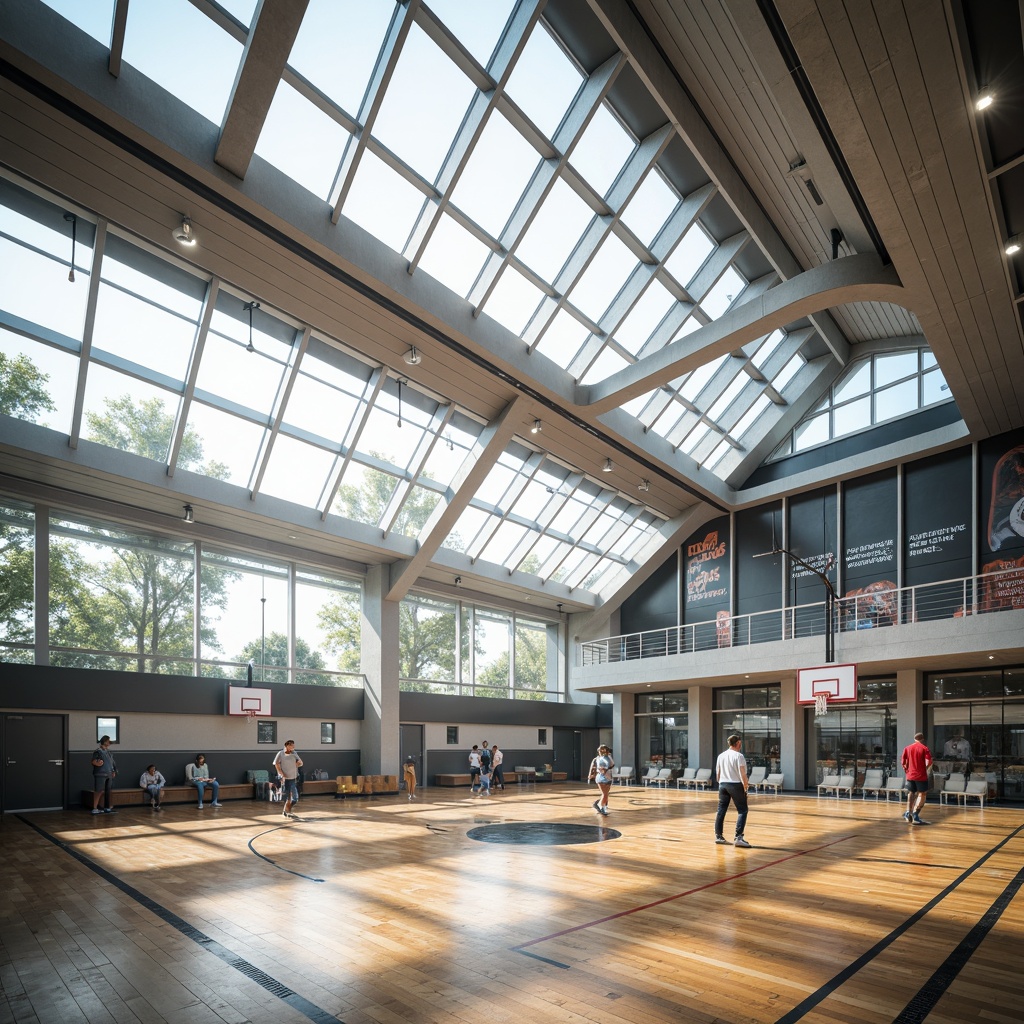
(731, 771)
(152, 782)
(287, 764)
(497, 776)
(474, 768)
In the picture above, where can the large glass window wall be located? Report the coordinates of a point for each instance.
(976, 727)
(662, 731)
(755, 712)
(851, 738)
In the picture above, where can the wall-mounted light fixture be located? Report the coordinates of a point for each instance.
(985, 100)
(184, 233)
(413, 356)
(537, 427)
(1013, 245)
(607, 467)
(189, 515)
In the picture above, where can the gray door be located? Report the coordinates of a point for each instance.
(34, 751)
(568, 752)
(410, 742)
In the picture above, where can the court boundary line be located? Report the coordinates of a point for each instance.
(269, 984)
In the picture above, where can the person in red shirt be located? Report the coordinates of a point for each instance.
(917, 763)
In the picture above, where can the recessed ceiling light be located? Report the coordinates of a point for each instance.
(537, 427)
(985, 100)
(607, 467)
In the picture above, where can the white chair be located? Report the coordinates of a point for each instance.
(774, 782)
(625, 776)
(652, 773)
(828, 784)
(702, 779)
(846, 785)
(894, 784)
(663, 778)
(756, 777)
(872, 783)
(977, 788)
(686, 779)
(955, 784)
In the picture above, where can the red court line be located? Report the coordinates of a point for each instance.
(678, 895)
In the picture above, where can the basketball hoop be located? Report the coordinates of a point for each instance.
(820, 705)
(251, 715)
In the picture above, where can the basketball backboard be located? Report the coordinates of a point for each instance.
(837, 682)
(248, 700)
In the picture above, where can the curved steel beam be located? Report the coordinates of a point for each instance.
(860, 278)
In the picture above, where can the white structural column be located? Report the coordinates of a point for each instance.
(909, 709)
(379, 640)
(623, 729)
(793, 736)
(702, 752)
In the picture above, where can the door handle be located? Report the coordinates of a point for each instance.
(9, 761)
(56, 761)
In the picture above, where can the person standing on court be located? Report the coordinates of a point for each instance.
(497, 777)
(409, 772)
(731, 771)
(288, 763)
(917, 764)
(474, 769)
(152, 782)
(601, 767)
(104, 769)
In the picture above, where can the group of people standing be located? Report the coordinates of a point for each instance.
(485, 769)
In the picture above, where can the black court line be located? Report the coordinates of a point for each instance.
(253, 973)
(273, 863)
(803, 1008)
(543, 959)
(935, 987)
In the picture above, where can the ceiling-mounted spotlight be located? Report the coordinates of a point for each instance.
(189, 515)
(985, 100)
(644, 485)
(1013, 245)
(607, 467)
(73, 221)
(184, 234)
(537, 427)
(413, 357)
(458, 581)
(250, 306)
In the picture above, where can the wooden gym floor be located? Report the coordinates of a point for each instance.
(385, 910)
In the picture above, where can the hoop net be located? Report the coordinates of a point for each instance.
(820, 705)
(250, 714)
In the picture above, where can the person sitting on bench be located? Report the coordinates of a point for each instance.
(198, 774)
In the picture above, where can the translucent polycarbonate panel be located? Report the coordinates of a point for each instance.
(496, 175)
(717, 454)
(894, 366)
(856, 381)
(563, 338)
(93, 18)
(934, 388)
(229, 442)
(750, 416)
(651, 205)
(477, 543)
(424, 105)
(251, 380)
(319, 408)
(296, 471)
(689, 255)
(124, 412)
(643, 319)
(694, 437)
(37, 382)
(364, 494)
(382, 202)
(453, 256)
(603, 278)
(606, 529)
(513, 301)
(729, 395)
(600, 154)
(725, 291)
(536, 496)
(554, 231)
(477, 26)
(767, 348)
(811, 432)
(896, 401)
(567, 519)
(787, 373)
(179, 48)
(415, 511)
(699, 379)
(503, 542)
(300, 140)
(608, 362)
(853, 416)
(498, 480)
(544, 81)
(337, 47)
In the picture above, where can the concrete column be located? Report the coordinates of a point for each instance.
(702, 728)
(793, 738)
(909, 708)
(623, 728)
(379, 638)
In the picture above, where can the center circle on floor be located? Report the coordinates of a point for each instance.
(542, 833)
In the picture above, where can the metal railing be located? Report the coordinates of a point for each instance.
(874, 607)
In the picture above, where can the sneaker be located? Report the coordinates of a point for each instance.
(604, 811)
(216, 804)
(96, 810)
(597, 806)
(740, 841)
(722, 841)
(917, 821)
(158, 807)
(200, 805)
(906, 815)
(109, 810)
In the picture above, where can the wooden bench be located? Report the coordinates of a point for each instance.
(453, 780)
(311, 787)
(138, 797)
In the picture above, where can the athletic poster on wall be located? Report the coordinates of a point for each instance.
(869, 552)
(707, 568)
(1001, 520)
